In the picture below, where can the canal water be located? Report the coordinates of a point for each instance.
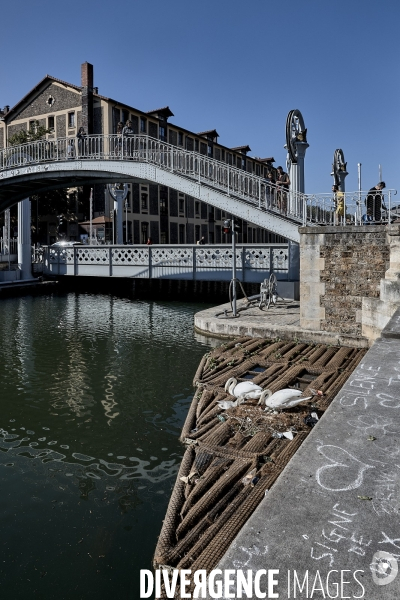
(94, 392)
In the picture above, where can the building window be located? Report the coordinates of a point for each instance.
(243, 163)
(258, 170)
(144, 201)
(197, 209)
(180, 138)
(209, 150)
(145, 232)
(143, 123)
(71, 120)
(50, 123)
(210, 237)
(163, 238)
(222, 154)
(181, 234)
(116, 116)
(163, 133)
(163, 200)
(196, 145)
(181, 204)
(125, 116)
(33, 125)
(197, 232)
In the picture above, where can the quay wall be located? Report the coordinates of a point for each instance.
(213, 292)
(349, 278)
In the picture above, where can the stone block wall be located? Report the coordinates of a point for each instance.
(341, 269)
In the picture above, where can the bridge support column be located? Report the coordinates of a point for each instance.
(297, 169)
(24, 239)
(119, 220)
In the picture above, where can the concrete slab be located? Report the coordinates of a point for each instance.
(281, 320)
(333, 515)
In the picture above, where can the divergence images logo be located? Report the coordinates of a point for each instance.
(384, 568)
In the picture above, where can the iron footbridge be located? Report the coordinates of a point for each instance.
(45, 165)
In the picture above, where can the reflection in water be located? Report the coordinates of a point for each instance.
(94, 393)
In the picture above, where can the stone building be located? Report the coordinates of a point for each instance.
(162, 213)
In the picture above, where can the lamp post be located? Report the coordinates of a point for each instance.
(126, 220)
(229, 225)
(119, 192)
(91, 216)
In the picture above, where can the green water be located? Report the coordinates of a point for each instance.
(94, 391)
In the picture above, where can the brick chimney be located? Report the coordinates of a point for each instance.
(87, 96)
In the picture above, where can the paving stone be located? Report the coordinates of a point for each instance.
(333, 515)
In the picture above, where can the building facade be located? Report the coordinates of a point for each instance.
(156, 211)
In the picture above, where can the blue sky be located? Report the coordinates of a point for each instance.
(237, 66)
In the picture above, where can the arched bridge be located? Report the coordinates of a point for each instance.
(52, 164)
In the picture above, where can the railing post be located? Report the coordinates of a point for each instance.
(194, 263)
(271, 261)
(150, 263)
(75, 249)
(243, 264)
(110, 261)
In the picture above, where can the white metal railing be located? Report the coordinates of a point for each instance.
(8, 246)
(141, 148)
(355, 208)
(305, 209)
(184, 261)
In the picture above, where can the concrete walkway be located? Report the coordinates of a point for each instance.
(281, 320)
(333, 516)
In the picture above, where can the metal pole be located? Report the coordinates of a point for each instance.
(91, 216)
(126, 221)
(233, 268)
(8, 221)
(380, 172)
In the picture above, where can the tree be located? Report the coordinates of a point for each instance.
(36, 132)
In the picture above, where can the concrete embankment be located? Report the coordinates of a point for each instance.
(26, 287)
(281, 320)
(330, 524)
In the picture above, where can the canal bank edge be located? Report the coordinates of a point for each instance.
(280, 321)
(334, 507)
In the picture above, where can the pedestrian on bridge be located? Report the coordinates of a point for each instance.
(81, 135)
(282, 182)
(270, 190)
(127, 134)
(374, 202)
(338, 200)
(118, 146)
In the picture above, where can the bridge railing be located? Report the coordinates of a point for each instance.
(254, 262)
(357, 208)
(201, 169)
(305, 209)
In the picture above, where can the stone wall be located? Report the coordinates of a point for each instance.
(64, 99)
(341, 274)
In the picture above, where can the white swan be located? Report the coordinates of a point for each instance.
(286, 398)
(245, 389)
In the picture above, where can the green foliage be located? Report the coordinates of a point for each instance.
(36, 132)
